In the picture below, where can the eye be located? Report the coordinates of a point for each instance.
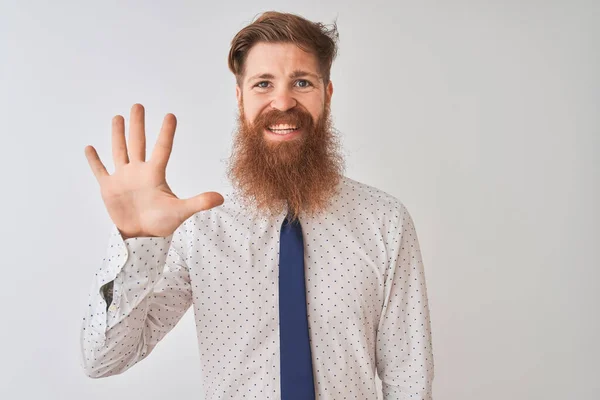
(308, 84)
(260, 83)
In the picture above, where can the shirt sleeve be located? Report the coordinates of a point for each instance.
(151, 292)
(404, 354)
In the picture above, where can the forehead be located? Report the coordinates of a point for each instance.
(279, 59)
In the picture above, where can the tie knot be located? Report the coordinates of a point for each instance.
(289, 220)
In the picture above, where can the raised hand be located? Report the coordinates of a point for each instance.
(136, 195)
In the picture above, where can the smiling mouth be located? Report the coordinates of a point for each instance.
(282, 129)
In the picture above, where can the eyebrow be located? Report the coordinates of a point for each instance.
(296, 74)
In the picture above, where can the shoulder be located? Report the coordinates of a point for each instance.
(368, 197)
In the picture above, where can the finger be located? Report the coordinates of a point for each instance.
(119, 148)
(201, 202)
(164, 143)
(96, 165)
(137, 135)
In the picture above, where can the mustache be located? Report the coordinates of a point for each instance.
(294, 116)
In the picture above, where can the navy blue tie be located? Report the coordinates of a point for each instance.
(296, 362)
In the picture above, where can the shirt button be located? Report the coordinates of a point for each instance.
(112, 307)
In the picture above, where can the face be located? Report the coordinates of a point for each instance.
(285, 151)
(281, 76)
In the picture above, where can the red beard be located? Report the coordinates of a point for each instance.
(302, 172)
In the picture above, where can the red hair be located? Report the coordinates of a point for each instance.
(277, 27)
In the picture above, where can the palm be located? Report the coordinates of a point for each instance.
(137, 196)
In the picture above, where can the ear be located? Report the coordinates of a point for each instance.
(238, 95)
(329, 90)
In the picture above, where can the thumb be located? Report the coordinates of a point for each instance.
(201, 202)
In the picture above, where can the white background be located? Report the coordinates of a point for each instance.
(482, 117)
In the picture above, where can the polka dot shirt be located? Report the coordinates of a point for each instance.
(366, 299)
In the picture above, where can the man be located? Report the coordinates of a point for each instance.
(303, 281)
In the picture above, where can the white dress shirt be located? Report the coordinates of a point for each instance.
(366, 299)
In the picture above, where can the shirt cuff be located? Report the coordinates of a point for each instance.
(118, 259)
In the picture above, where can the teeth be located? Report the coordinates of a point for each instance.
(282, 131)
(282, 127)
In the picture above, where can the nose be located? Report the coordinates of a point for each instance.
(283, 101)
